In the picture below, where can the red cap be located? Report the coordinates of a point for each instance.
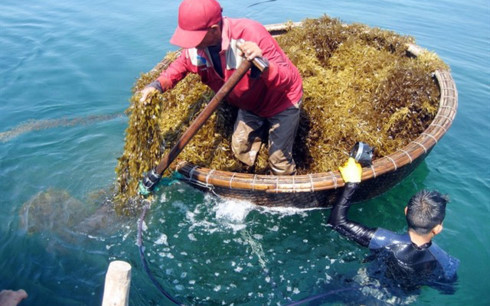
(195, 18)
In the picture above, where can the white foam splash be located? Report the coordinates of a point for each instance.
(234, 211)
(162, 240)
(232, 214)
(287, 211)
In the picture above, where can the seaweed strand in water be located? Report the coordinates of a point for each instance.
(37, 125)
(359, 85)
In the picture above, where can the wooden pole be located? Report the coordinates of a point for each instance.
(117, 283)
(203, 116)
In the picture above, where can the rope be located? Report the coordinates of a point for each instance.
(209, 187)
(139, 242)
(259, 252)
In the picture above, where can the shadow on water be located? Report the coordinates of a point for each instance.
(69, 221)
(60, 232)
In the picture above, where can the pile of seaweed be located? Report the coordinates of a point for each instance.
(359, 83)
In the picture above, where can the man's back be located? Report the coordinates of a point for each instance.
(397, 258)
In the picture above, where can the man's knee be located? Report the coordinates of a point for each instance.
(247, 138)
(282, 164)
(242, 152)
(245, 148)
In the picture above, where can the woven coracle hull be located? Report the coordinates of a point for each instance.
(322, 189)
(277, 191)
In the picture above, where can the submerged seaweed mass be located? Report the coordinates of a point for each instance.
(359, 83)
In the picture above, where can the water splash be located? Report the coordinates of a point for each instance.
(37, 125)
(233, 213)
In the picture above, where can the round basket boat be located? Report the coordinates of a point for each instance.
(322, 189)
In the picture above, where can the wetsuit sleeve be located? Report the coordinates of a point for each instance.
(338, 218)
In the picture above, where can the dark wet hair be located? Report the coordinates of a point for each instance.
(426, 209)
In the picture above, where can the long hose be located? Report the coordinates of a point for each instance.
(139, 242)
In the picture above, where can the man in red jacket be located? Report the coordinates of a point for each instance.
(267, 102)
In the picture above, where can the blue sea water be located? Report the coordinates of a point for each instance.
(66, 70)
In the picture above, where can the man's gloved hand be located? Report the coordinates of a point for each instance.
(351, 171)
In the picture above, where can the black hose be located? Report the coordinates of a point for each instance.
(322, 295)
(139, 242)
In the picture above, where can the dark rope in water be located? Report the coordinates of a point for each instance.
(139, 242)
(257, 3)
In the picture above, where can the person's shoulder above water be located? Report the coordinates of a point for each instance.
(411, 265)
(449, 264)
(383, 237)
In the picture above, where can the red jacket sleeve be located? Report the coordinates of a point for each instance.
(175, 72)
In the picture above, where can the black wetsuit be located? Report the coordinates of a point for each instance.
(398, 257)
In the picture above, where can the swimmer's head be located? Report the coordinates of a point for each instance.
(425, 210)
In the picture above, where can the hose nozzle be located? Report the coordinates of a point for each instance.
(148, 183)
(362, 153)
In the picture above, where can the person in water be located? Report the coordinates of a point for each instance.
(268, 102)
(411, 259)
